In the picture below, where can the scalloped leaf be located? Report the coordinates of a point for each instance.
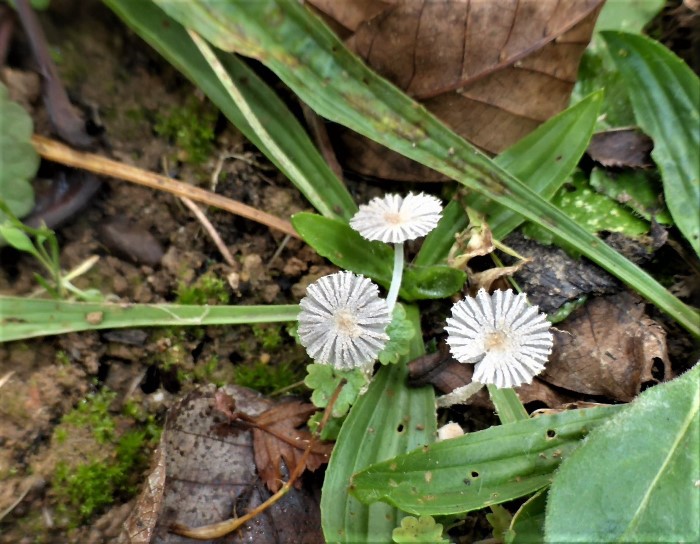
(18, 159)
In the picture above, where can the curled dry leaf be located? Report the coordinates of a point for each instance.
(493, 70)
(609, 348)
(626, 147)
(553, 278)
(205, 473)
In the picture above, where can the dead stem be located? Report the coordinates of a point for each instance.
(57, 152)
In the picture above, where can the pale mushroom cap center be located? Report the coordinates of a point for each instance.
(346, 323)
(497, 341)
(393, 218)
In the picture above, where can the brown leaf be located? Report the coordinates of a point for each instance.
(277, 439)
(445, 373)
(609, 348)
(493, 70)
(625, 147)
(205, 473)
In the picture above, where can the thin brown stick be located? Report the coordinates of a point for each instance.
(57, 152)
(211, 231)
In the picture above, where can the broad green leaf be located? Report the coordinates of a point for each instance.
(339, 243)
(309, 171)
(636, 477)
(479, 469)
(597, 70)
(314, 63)
(527, 525)
(665, 95)
(27, 318)
(389, 419)
(636, 189)
(544, 159)
(18, 159)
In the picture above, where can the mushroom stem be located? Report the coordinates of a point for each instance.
(396, 277)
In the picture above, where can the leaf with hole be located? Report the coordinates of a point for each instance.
(479, 469)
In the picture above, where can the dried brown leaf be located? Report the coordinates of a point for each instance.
(278, 439)
(493, 70)
(621, 148)
(609, 348)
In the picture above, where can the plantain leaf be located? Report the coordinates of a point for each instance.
(27, 318)
(307, 170)
(390, 418)
(636, 477)
(479, 469)
(665, 96)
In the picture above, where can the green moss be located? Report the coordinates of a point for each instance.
(109, 466)
(265, 377)
(269, 336)
(93, 412)
(207, 289)
(191, 128)
(84, 490)
(62, 358)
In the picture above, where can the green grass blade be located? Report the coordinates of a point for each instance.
(665, 96)
(544, 159)
(22, 318)
(390, 418)
(508, 405)
(309, 172)
(313, 62)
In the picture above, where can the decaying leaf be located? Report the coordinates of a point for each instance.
(553, 278)
(205, 473)
(277, 439)
(493, 70)
(446, 374)
(609, 348)
(626, 147)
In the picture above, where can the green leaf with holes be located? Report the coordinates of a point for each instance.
(636, 479)
(479, 469)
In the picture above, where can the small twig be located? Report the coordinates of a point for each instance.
(6, 378)
(213, 234)
(57, 152)
(278, 251)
